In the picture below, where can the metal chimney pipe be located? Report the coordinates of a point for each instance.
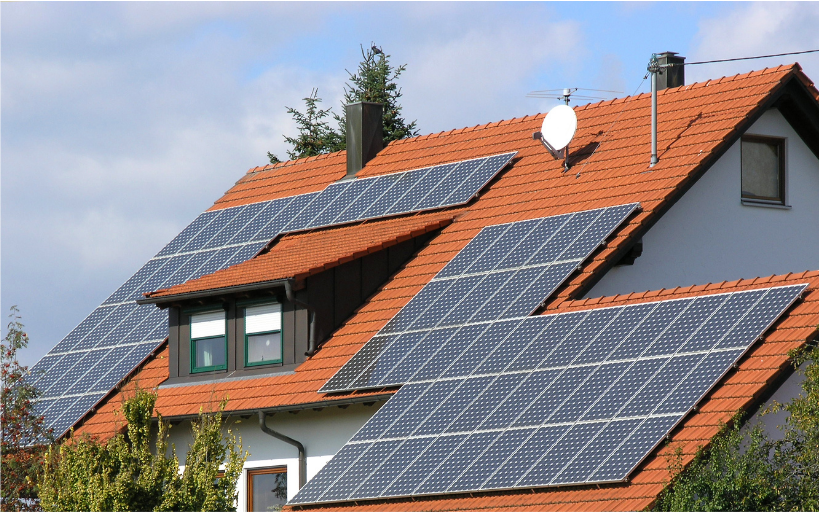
(654, 70)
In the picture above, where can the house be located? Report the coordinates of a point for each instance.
(291, 330)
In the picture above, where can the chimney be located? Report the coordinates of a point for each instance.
(671, 76)
(365, 134)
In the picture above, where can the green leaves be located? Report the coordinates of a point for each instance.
(745, 470)
(125, 474)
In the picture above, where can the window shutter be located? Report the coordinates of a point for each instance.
(208, 324)
(263, 318)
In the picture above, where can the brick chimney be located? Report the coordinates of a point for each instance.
(672, 76)
(365, 134)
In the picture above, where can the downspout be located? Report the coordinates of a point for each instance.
(313, 346)
(288, 440)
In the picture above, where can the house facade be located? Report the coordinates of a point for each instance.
(730, 209)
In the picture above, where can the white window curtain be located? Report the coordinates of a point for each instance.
(208, 324)
(263, 318)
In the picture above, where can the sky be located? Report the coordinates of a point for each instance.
(120, 122)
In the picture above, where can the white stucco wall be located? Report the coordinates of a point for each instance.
(322, 433)
(709, 236)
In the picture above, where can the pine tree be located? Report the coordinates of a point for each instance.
(315, 135)
(375, 81)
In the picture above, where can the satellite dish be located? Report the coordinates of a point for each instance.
(559, 127)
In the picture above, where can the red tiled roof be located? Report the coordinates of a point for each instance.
(609, 167)
(301, 255)
(740, 389)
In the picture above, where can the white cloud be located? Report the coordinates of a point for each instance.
(763, 28)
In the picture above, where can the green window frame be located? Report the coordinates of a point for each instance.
(207, 329)
(263, 319)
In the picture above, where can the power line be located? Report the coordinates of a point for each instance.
(743, 58)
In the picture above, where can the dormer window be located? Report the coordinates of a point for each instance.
(263, 334)
(763, 169)
(208, 341)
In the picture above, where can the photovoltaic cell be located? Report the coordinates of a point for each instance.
(569, 406)
(120, 335)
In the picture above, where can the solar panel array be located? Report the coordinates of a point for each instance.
(570, 398)
(94, 357)
(505, 272)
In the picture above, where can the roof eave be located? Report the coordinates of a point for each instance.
(160, 301)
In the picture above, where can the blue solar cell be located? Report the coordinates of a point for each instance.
(579, 402)
(494, 456)
(660, 386)
(624, 389)
(530, 388)
(316, 206)
(401, 184)
(244, 253)
(236, 225)
(700, 381)
(447, 410)
(500, 388)
(524, 458)
(629, 318)
(451, 180)
(685, 325)
(271, 219)
(598, 450)
(81, 365)
(424, 465)
(418, 191)
(653, 324)
(101, 330)
(539, 410)
(384, 475)
(515, 344)
(470, 187)
(547, 341)
(438, 309)
(330, 473)
(633, 450)
(387, 415)
(349, 196)
(131, 286)
(359, 470)
(98, 370)
(130, 322)
(222, 218)
(421, 409)
(146, 326)
(597, 232)
(449, 352)
(759, 318)
(718, 325)
(418, 357)
(472, 251)
(476, 351)
(454, 465)
(502, 246)
(378, 186)
(188, 270)
(526, 290)
(534, 241)
(259, 215)
(188, 233)
(582, 336)
(87, 325)
(416, 306)
(507, 295)
(374, 375)
(357, 364)
(560, 454)
(475, 299)
(40, 370)
(561, 240)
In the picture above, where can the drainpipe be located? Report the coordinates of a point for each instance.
(288, 440)
(313, 346)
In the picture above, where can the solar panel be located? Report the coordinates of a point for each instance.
(505, 272)
(565, 407)
(121, 334)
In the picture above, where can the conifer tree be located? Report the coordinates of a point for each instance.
(375, 80)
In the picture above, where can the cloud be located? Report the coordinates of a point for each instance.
(763, 28)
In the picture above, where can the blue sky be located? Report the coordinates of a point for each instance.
(122, 121)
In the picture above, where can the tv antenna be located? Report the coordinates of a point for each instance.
(566, 93)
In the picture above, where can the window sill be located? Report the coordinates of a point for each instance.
(762, 203)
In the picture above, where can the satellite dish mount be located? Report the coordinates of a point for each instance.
(558, 129)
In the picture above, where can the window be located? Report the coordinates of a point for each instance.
(266, 489)
(763, 169)
(208, 341)
(263, 334)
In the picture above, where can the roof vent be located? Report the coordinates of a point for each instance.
(365, 134)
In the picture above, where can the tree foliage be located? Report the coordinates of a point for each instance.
(23, 432)
(375, 80)
(748, 470)
(126, 474)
